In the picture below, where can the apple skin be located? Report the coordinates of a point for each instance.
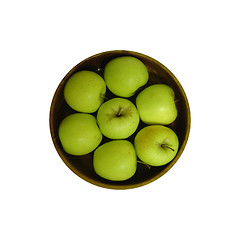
(156, 145)
(156, 105)
(118, 118)
(85, 91)
(79, 134)
(124, 75)
(115, 160)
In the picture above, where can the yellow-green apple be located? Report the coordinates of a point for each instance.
(117, 118)
(124, 75)
(79, 134)
(156, 145)
(84, 91)
(115, 160)
(156, 104)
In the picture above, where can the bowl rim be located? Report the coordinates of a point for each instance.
(114, 185)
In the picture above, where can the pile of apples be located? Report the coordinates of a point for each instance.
(118, 118)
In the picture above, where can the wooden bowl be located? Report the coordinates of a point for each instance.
(83, 165)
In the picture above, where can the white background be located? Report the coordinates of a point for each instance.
(41, 41)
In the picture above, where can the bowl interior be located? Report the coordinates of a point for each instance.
(83, 165)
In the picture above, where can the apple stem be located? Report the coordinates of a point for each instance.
(103, 96)
(144, 164)
(119, 112)
(166, 146)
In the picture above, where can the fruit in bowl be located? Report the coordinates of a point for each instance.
(156, 145)
(126, 119)
(79, 134)
(85, 91)
(124, 75)
(118, 118)
(156, 104)
(115, 160)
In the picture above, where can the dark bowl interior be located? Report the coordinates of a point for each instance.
(83, 165)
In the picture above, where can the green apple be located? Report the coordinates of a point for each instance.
(118, 118)
(156, 145)
(156, 104)
(124, 75)
(115, 160)
(79, 134)
(84, 91)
